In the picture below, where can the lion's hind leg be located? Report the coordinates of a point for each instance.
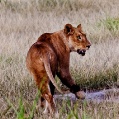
(46, 98)
(50, 106)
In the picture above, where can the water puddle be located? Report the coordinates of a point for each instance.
(111, 95)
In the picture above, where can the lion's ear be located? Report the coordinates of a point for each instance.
(68, 29)
(79, 27)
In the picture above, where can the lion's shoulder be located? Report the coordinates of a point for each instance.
(44, 36)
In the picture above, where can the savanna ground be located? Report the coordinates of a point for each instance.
(23, 21)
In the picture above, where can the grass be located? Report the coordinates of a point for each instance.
(112, 24)
(21, 108)
(83, 110)
(22, 22)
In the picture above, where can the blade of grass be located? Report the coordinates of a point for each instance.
(34, 105)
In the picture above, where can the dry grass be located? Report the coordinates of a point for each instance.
(22, 22)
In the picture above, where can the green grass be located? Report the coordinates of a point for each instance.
(83, 110)
(20, 112)
(102, 79)
(112, 24)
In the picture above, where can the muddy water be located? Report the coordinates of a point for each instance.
(111, 95)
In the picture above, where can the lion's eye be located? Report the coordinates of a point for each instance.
(78, 37)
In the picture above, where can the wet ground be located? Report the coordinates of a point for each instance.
(111, 95)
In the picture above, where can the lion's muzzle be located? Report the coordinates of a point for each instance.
(81, 52)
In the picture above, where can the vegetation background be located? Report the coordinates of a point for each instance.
(23, 21)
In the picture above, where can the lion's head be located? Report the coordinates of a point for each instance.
(76, 38)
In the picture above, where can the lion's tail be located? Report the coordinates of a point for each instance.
(49, 73)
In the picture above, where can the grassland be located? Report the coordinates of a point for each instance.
(22, 22)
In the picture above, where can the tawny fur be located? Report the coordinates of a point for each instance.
(49, 56)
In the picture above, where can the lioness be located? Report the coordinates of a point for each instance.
(49, 56)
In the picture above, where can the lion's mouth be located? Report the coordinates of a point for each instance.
(81, 52)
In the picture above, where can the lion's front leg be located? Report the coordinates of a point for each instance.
(67, 80)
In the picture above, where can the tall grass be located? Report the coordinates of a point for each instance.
(22, 22)
(99, 68)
